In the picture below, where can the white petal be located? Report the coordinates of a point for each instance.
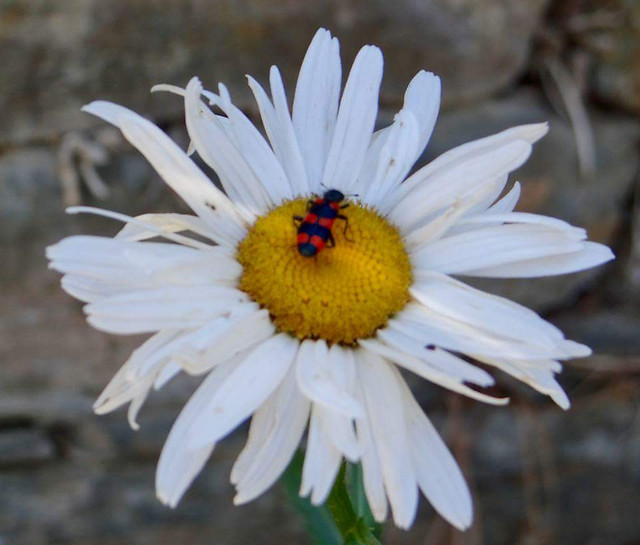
(523, 218)
(255, 150)
(158, 348)
(220, 153)
(484, 213)
(422, 98)
(491, 247)
(507, 203)
(137, 401)
(430, 373)
(289, 412)
(429, 327)
(277, 124)
(395, 159)
(89, 290)
(435, 228)
(176, 478)
(173, 307)
(262, 424)
(483, 204)
(372, 160)
(544, 382)
(321, 461)
(341, 433)
(537, 374)
(338, 427)
(158, 359)
(178, 465)
(439, 360)
(547, 384)
(227, 336)
(171, 223)
(437, 473)
(246, 388)
(315, 381)
(446, 221)
(342, 368)
(315, 106)
(590, 254)
(166, 374)
(371, 470)
(356, 118)
(167, 88)
(177, 170)
(189, 242)
(140, 265)
(135, 378)
(502, 206)
(461, 154)
(437, 189)
(383, 398)
(292, 157)
(484, 311)
(546, 365)
(267, 114)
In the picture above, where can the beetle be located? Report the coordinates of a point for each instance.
(314, 230)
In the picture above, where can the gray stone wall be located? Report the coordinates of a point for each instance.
(539, 476)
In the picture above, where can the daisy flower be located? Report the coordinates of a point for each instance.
(292, 341)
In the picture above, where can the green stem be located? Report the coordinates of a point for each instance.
(345, 518)
(353, 528)
(317, 520)
(355, 487)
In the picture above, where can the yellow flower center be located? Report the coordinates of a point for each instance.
(343, 293)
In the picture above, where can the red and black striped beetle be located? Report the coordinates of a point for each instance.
(314, 230)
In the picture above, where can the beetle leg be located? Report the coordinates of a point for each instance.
(346, 226)
(331, 240)
(297, 220)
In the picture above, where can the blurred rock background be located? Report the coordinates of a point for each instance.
(540, 476)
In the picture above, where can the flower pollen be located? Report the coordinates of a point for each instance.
(342, 294)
